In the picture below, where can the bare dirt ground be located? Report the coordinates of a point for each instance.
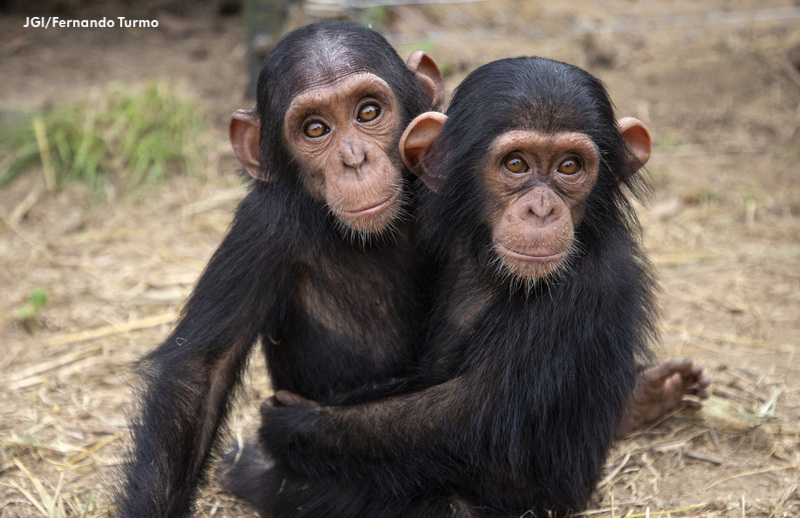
(717, 82)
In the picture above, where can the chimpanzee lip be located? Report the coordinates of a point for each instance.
(375, 209)
(527, 257)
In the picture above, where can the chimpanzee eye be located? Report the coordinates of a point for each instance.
(368, 113)
(569, 166)
(315, 129)
(515, 164)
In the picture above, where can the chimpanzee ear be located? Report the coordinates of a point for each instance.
(637, 138)
(418, 137)
(417, 141)
(429, 75)
(244, 130)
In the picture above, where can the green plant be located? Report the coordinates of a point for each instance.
(751, 196)
(135, 136)
(668, 143)
(407, 48)
(91, 504)
(27, 314)
(376, 17)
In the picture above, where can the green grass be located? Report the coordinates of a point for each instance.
(27, 314)
(126, 136)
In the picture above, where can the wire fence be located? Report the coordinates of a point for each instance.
(461, 33)
(487, 20)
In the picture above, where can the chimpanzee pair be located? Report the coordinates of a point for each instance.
(454, 326)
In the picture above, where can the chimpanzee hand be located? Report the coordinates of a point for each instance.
(292, 431)
(285, 416)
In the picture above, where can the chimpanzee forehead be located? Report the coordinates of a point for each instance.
(340, 78)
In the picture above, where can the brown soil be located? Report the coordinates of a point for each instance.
(716, 82)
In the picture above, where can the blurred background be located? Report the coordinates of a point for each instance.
(117, 182)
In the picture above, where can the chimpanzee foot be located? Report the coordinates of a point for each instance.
(661, 390)
(244, 472)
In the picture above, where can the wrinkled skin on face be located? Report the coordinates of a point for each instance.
(537, 185)
(343, 135)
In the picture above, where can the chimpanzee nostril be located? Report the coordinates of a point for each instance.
(352, 153)
(540, 203)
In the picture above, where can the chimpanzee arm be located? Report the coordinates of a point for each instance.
(190, 377)
(492, 429)
(403, 441)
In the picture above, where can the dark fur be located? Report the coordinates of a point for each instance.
(286, 274)
(519, 392)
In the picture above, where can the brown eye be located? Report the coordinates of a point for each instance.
(515, 164)
(315, 129)
(569, 166)
(368, 113)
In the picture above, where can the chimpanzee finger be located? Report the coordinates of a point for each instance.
(286, 398)
(271, 402)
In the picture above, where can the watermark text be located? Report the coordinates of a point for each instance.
(46, 22)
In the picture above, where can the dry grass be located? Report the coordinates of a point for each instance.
(723, 233)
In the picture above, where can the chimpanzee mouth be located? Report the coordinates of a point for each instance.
(375, 209)
(542, 259)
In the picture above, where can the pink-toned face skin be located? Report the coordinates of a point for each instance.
(536, 185)
(343, 134)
